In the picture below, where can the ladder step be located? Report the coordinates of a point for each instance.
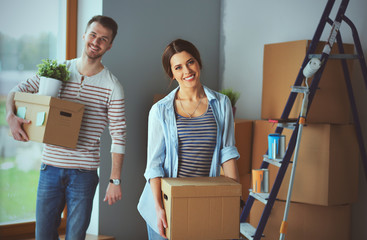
(276, 162)
(291, 126)
(247, 230)
(262, 197)
(300, 89)
(335, 56)
(285, 123)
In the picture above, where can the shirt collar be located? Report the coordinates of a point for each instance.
(171, 96)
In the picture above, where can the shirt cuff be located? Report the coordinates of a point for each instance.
(117, 148)
(228, 153)
(154, 173)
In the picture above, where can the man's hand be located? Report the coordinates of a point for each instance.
(16, 127)
(113, 194)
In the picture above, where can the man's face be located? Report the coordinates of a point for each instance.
(98, 40)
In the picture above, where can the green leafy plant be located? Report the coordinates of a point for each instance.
(51, 69)
(232, 95)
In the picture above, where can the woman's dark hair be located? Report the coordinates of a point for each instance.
(178, 46)
(106, 22)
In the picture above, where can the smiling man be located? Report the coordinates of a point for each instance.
(69, 176)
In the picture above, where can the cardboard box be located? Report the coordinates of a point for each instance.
(202, 207)
(245, 181)
(53, 120)
(243, 138)
(305, 221)
(327, 165)
(282, 62)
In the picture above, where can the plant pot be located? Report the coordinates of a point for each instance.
(49, 87)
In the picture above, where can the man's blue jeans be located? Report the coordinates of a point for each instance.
(60, 186)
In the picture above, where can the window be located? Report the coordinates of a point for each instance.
(30, 31)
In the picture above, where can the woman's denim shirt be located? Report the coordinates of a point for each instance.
(162, 160)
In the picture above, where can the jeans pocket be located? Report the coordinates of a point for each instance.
(43, 167)
(89, 174)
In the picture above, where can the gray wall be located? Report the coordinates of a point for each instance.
(247, 25)
(145, 28)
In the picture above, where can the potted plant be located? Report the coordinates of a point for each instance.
(51, 74)
(233, 97)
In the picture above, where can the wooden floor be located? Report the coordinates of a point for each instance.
(90, 237)
(93, 237)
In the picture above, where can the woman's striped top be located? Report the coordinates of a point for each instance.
(104, 103)
(196, 143)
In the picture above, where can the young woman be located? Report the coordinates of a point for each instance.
(190, 133)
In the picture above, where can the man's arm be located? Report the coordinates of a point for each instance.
(113, 192)
(15, 123)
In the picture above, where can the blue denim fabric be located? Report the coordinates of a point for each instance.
(153, 235)
(60, 186)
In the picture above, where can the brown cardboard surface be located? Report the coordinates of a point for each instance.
(243, 138)
(202, 208)
(282, 62)
(327, 166)
(245, 181)
(61, 123)
(305, 221)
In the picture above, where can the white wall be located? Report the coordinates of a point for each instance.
(248, 25)
(86, 10)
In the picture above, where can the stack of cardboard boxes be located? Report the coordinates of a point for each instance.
(243, 137)
(326, 177)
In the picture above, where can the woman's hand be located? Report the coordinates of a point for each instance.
(155, 184)
(162, 222)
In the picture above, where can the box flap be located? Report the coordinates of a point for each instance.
(201, 186)
(47, 100)
(32, 98)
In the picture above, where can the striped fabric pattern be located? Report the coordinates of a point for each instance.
(197, 139)
(104, 104)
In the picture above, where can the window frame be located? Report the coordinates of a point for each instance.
(27, 229)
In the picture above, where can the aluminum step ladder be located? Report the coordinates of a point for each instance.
(256, 233)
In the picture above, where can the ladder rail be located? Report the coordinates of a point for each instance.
(311, 49)
(353, 105)
(276, 186)
(301, 122)
(327, 48)
(358, 46)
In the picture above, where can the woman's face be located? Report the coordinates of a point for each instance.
(185, 69)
